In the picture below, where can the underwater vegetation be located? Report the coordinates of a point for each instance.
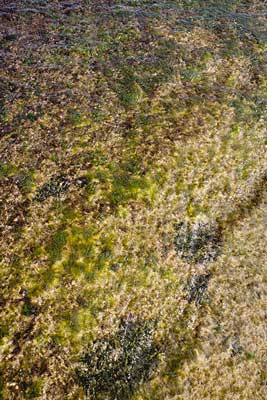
(198, 243)
(114, 366)
(197, 287)
(133, 199)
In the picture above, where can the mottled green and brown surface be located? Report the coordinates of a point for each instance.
(133, 179)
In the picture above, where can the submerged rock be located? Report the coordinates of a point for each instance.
(114, 366)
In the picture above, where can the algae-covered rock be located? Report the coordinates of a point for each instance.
(114, 366)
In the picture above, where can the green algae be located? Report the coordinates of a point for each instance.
(56, 245)
(7, 170)
(120, 89)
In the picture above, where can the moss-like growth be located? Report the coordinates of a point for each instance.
(236, 348)
(1, 386)
(6, 170)
(56, 244)
(134, 113)
(31, 390)
(28, 309)
(198, 243)
(197, 287)
(25, 182)
(114, 366)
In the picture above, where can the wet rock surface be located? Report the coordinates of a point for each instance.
(114, 366)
